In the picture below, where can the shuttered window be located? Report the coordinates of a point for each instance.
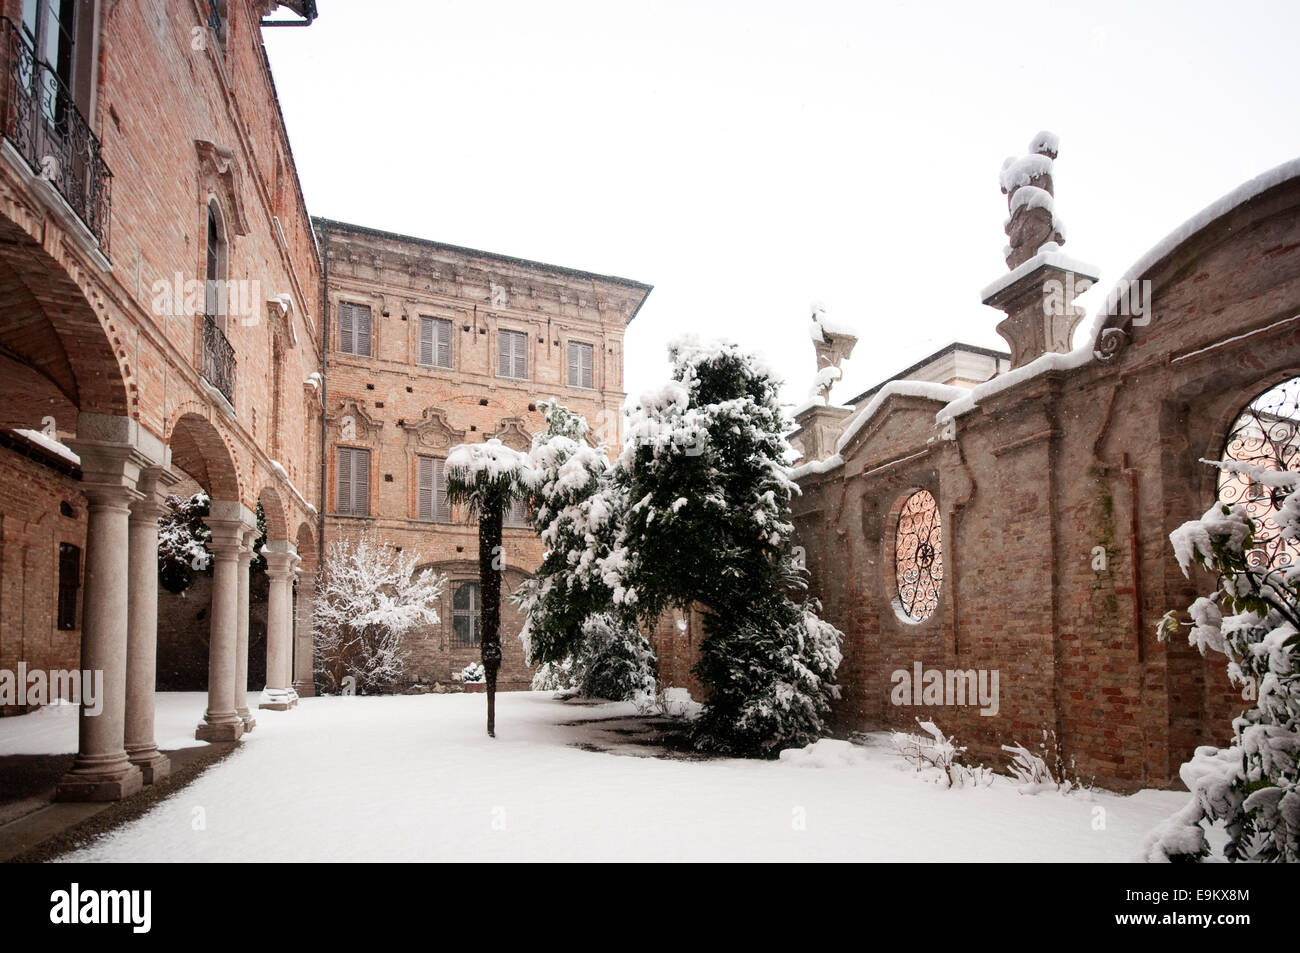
(580, 365)
(354, 328)
(516, 515)
(431, 490)
(512, 354)
(435, 341)
(353, 482)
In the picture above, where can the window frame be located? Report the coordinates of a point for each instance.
(354, 309)
(473, 613)
(351, 508)
(435, 323)
(590, 349)
(504, 334)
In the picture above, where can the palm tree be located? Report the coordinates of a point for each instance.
(487, 478)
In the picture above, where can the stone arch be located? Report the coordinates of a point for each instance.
(305, 540)
(54, 323)
(273, 511)
(202, 451)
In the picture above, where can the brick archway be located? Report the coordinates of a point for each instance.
(49, 325)
(199, 449)
(277, 523)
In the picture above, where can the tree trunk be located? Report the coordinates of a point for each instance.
(490, 561)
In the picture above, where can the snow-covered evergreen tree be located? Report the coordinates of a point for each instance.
(370, 599)
(577, 511)
(486, 478)
(182, 536)
(1252, 787)
(704, 469)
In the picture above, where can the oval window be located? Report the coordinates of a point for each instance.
(918, 557)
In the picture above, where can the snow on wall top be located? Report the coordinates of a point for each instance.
(1217, 209)
(1049, 254)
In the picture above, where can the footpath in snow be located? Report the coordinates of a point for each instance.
(410, 778)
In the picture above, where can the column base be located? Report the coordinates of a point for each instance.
(278, 699)
(153, 764)
(305, 688)
(247, 718)
(99, 784)
(222, 731)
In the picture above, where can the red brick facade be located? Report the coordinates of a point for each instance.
(397, 409)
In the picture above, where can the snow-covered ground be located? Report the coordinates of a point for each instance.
(416, 778)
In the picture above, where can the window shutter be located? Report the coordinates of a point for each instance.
(504, 351)
(426, 340)
(521, 356)
(587, 356)
(575, 374)
(360, 482)
(344, 467)
(424, 492)
(363, 330)
(442, 508)
(443, 352)
(347, 342)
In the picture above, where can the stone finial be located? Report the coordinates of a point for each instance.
(1038, 294)
(832, 344)
(1027, 184)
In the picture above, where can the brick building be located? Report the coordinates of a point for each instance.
(159, 307)
(431, 345)
(1021, 525)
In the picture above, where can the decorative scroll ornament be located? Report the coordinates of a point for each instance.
(918, 556)
(1266, 435)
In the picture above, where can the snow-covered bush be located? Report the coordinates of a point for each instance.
(370, 599)
(577, 511)
(939, 753)
(473, 672)
(1253, 618)
(182, 536)
(1044, 771)
(707, 524)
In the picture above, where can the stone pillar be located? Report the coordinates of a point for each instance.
(142, 635)
(304, 653)
(102, 771)
(280, 560)
(241, 638)
(221, 722)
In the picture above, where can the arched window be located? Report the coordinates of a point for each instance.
(1266, 436)
(214, 277)
(918, 557)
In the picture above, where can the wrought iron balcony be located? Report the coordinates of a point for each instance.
(47, 129)
(218, 359)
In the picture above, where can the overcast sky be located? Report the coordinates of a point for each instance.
(750, 158)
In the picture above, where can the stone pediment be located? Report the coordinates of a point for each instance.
(514, 434)
(434, 431)
(353, 421)
(219, 173)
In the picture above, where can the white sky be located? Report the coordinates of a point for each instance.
(749, 158)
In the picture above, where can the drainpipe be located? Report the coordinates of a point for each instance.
(324, 384)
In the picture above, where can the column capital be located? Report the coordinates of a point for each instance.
(280, 565)
(227, 537)
(152, 484)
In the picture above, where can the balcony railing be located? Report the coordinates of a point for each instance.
(47, 129)
(218, 359)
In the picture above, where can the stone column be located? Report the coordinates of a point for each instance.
(221, 722)
(142, 635)
(102, 771)
(241, 637)
(304, 654)
(280, 560)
